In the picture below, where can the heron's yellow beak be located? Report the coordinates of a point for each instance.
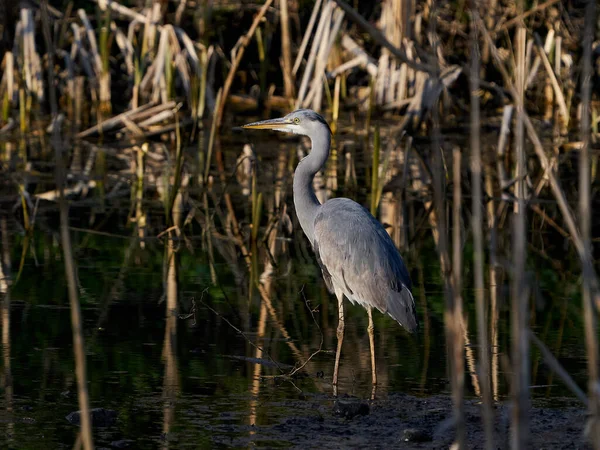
(280, 124)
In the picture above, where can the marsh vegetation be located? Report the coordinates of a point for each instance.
(152, 263)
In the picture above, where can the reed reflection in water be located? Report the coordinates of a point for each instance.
(265, 327)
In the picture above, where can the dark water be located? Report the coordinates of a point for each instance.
(207, 389)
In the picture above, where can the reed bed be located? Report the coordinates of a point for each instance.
(158, 82)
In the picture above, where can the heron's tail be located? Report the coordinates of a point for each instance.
(401, 307)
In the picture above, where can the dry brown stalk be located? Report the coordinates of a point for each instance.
(458, 388)
(317, 40)
(493, 277)
(5, 306)
(316, 91)
(501, 148)
(478, 259)
(306, 37)
(560, 98)
(537, 61)
(361, 57)
(123, 10)
(590, 319)
(381, 40)
(558, 369)
(286, 52)
(31, 59)
(518, 20)
(240, 47)
(546, 165)
(113, 122)
(583, 250)
(547, 219)
(519, 291)
(76, 318)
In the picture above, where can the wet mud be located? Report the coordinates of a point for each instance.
(401, 421)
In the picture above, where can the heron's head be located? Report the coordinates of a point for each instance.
(302, 121)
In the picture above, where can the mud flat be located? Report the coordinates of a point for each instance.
(400, 421)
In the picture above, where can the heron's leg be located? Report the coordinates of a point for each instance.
(371, 331)
(340, 339)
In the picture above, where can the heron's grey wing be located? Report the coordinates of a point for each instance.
(326, 274)
(359, 258)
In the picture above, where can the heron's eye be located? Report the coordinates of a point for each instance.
(296, 120)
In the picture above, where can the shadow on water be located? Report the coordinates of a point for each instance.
(214, 325)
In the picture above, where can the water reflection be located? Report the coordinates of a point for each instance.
(7, 381)
(240, 243)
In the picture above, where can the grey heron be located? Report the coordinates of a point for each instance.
(358, 258)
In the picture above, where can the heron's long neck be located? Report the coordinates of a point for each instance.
(306, 202)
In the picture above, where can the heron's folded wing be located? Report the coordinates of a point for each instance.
(356, 253)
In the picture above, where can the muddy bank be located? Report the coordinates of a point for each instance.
(401, 421)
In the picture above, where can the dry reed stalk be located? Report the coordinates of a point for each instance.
(123, 10)
(392, 73)
(493, 277)
(478, 259)
(519, 290)
(537, 61)
(403, 83)
(558, 369)
(78, 49)
(113, 122)
(206, 56)
(317, 40)
(169, 354)
(561, 200)
(501, 148)
(560, 98)
(240, 47)
(103, 76)
(151, 27)
(381, 40)
(156, 76)
(31, 58)
(5, 282)
(452, 324)
(191, 49)
(345, 67)
(126, 48)
(306, 37)
(8, 77)
(360, 55)
(559, 195)
(76, 318)
(286, 51)
(212, 136)
(179, 12)
(518, 20)
(458, 380)
(382, 81)
(70, 88)
(160, 116)
(590, 319)
(336, 101)
(316, 92)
